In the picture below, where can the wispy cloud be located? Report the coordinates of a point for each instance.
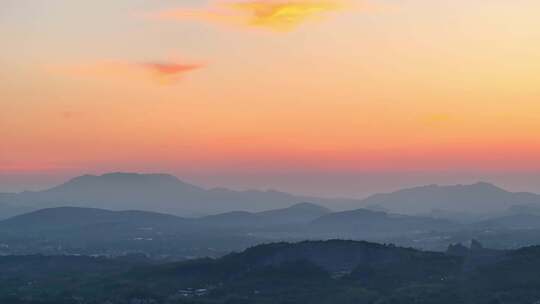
(285, 15)
(163, 72)
(168, 71)
(275, 15)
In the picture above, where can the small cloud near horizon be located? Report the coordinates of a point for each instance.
(167, 72)
(274, 15)
(162, 72)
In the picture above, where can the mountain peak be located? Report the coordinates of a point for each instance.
(163, 193)
(124, 178)
(477, 197)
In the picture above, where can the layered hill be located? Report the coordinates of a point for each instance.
(301, 213)
(152, 192)
(479, 198)
(167, 194)
(370, 224)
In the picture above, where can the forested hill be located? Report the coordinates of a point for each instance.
(308, 272)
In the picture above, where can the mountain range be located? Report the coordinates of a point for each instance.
(79, 230)
(74, 219)
(167, 194)
(152, 192)
(478, 198)
(301, 213)
(304, 217)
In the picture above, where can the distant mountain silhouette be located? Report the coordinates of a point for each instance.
(515, 221)
(74, 218)
(167, 194)
(475, 198)
(153, 192)
(92, 230)
(301, 213)
(524, 209)
(367, 223)
(9, 205)
(96, 231)
(71, 219)
(239, 219)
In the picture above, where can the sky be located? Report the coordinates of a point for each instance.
(325, 97)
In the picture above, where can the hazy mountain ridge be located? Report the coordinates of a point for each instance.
(155, 192)
(513, 221)
(167, 194)
(367, 223)
(80, 218)
(301, 213)
(78, 230)
(309, 217)
(70, 217)
(482, 198)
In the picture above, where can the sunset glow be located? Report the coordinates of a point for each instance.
(258, 88)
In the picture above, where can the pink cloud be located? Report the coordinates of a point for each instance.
(163, 72)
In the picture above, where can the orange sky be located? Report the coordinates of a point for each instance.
(214, 88)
